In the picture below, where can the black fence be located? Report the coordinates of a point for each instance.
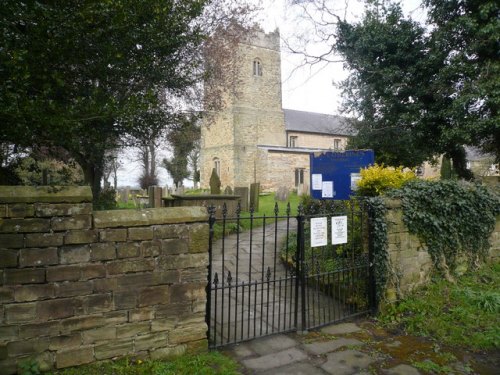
(266, 278)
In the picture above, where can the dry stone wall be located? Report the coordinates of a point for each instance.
(78, 286)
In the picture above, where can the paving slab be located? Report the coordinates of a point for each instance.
(402, 370)
(274, 360)
(295, 369)
(318, 348)
(347, 362)
(272, 344)
(341, 329)
(241, 351)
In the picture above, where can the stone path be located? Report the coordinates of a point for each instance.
(342, 349)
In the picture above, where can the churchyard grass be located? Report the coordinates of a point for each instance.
(465, 314)
(206, 364)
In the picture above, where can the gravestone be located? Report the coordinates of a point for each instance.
(214, 183)
(155, 195)
(228, 190)
(254, 195)
(243, 193)
(282, 194)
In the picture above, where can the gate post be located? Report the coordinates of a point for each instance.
(208, 308)
(372, 286)
(301, 277)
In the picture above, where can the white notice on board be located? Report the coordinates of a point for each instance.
(327, 189)
(355, 178)
(317, 179)
(339, 230)
(319, 232)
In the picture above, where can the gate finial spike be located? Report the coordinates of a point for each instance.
(216, 279)
(211, 211)
(288, 209)
(268, 274)
(224, 210)
(229, 278)
(276, 209)
(238, 209)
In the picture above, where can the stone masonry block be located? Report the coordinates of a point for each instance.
(45, 194)
(174, 246)
(133, 329)
(99, 334)
(133, 281)
(3, 210)
(6, 295)
(168, 352)
(74, 254)
(183, 261)
(74, 356)
(125, 300)
(19, 348)
(139, 265)
(55, 309)
(80, 236)
(170, 231)
(198, 238)
(196, 275)
(63, 273)
(62, 209)
(81, 323)
(165, 324)
(104, 285)
(39, 329)
(34, 292)
(167, 277)
(158, 295)
(71, 223)
(97, 303)
(72, 289)
(20, 312)
(150, 216)
(103, 251)
(150, 248)
(182, 293)
(20, 210)
(118, 235)
(140, 234)
(24, 276)
(11, 241)
(114, 348)
(93, 271)
(144, 313)
(191, 332)
(65, 341)
(8, 258)
(44, 239)
(127, 249)
(151, 341)
(24, 225)
(38, 257)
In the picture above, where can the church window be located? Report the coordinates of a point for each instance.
(217, 166)
(336, 144)
(293, 141)
(299, 176)
(257, 68)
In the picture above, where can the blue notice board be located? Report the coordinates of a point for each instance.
(334, 175)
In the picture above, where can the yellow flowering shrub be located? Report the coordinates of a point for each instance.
(377, 179)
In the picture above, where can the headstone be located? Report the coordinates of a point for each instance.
(154, 193)
(282, 194)
(214, 183)
(124, 194)
(228, 190)
(254, 195)
(243, 193)
(179, 190)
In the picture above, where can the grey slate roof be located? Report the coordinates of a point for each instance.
(311, 122)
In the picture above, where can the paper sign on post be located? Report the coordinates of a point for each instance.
(317, 179)
(339, 230)
(327, 191)
(319, 231)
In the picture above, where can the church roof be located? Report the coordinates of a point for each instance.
(311, 122)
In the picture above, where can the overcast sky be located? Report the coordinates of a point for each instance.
(307, 88)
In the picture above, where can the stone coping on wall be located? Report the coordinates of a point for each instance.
(148, 216)
(45, 194)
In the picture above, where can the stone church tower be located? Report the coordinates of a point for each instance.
(252, 118)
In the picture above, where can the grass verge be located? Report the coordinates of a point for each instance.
(465, 314)
(204, 364)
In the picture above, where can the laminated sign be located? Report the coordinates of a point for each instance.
(319, 231)
(339, 230)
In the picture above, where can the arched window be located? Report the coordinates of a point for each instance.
(257, 68)
(217, 166)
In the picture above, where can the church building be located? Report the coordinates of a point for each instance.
(253, 138)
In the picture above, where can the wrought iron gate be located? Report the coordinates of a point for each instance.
(265, 278)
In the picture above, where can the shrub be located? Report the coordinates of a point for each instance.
(106, 200)
(377, 179)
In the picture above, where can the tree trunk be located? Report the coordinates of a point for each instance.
(93, 173)
(458, 156)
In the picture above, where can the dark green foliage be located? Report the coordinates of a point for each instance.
(445, 172)
(215, 183)
(452, 218)
(29, 367)
(106, 200)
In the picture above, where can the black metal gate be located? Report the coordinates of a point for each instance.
(265, 278)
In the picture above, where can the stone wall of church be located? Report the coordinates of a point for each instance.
(317, 140)
(280, 168)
